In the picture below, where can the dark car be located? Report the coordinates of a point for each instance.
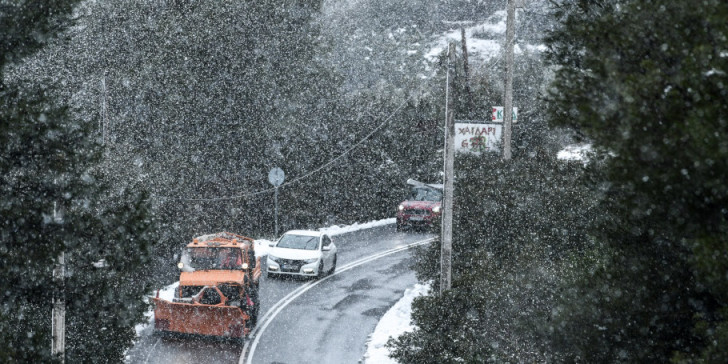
(421, 209)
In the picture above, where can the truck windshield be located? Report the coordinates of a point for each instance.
(425, 194)
(207, 258)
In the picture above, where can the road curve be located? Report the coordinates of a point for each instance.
(328, 320)
(325, 320)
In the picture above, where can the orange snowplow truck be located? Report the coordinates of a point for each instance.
(218, 289)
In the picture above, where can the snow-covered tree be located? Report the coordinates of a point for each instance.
(53, 200)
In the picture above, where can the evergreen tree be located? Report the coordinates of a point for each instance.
(644, 81)
(515, 225)
(53, 201)
(214, 95)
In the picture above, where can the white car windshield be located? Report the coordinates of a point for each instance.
(298, 242)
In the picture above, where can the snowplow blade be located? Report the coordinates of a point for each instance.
(199, 319)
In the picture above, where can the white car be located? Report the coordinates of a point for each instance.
(302, 253)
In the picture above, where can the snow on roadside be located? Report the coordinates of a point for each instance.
(394, 323)
(338, 230)
(166, 293)
(262, 246)
(575, 152)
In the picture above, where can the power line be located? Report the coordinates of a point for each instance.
(300, 178)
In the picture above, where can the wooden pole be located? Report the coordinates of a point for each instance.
(508, 107)
(276, 208)
(466, 72)
(58, 312)
(446, 239)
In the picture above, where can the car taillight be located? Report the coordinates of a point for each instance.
(161, 324)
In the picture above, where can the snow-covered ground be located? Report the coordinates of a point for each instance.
(484, 40)
(338, 230)
(166, 293)
(479, 48)
(262, 246)
(394, 323)
(576, 152)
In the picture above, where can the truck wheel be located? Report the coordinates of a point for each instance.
(255, 297)
(254, 316)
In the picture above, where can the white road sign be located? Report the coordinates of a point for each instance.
(498, 114)
(276, 176)
(476, 138)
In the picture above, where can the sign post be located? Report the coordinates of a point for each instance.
(276, 177)
(448, 186)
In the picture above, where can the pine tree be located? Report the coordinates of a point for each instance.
(54, 199)
(644, 81)
(515, 226)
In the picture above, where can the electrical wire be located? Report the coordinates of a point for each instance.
(299, 178)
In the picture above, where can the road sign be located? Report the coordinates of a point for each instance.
(498, 114)
(276, 176)
(477, 138)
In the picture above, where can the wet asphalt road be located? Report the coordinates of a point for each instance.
(307, 321)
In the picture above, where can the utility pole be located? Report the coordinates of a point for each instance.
(103, 111)
(58, 314)
(276, 212)
(446, 239)
(508, 107)
(276, 176)
(466, 71)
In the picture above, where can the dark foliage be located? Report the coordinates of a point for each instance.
(195, 102)
(645, 80)
(53, 200)
(516, 225)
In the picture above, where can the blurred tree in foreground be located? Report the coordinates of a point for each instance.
(53, 199)
(646, 82)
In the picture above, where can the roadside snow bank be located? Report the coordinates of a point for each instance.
(575, 152)
(166, 293)
(262, 246)
(338, 230)
(394, 323)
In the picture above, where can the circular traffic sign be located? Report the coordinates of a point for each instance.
(276, 176)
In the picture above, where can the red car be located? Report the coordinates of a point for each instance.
(422, 207)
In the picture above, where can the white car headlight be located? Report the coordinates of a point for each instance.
(401, 207)
(309, 261)
(273, 258)
(436, 209)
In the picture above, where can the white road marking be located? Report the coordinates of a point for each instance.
(152, 350)
(249, 349)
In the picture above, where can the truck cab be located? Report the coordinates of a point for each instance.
(218, 288)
